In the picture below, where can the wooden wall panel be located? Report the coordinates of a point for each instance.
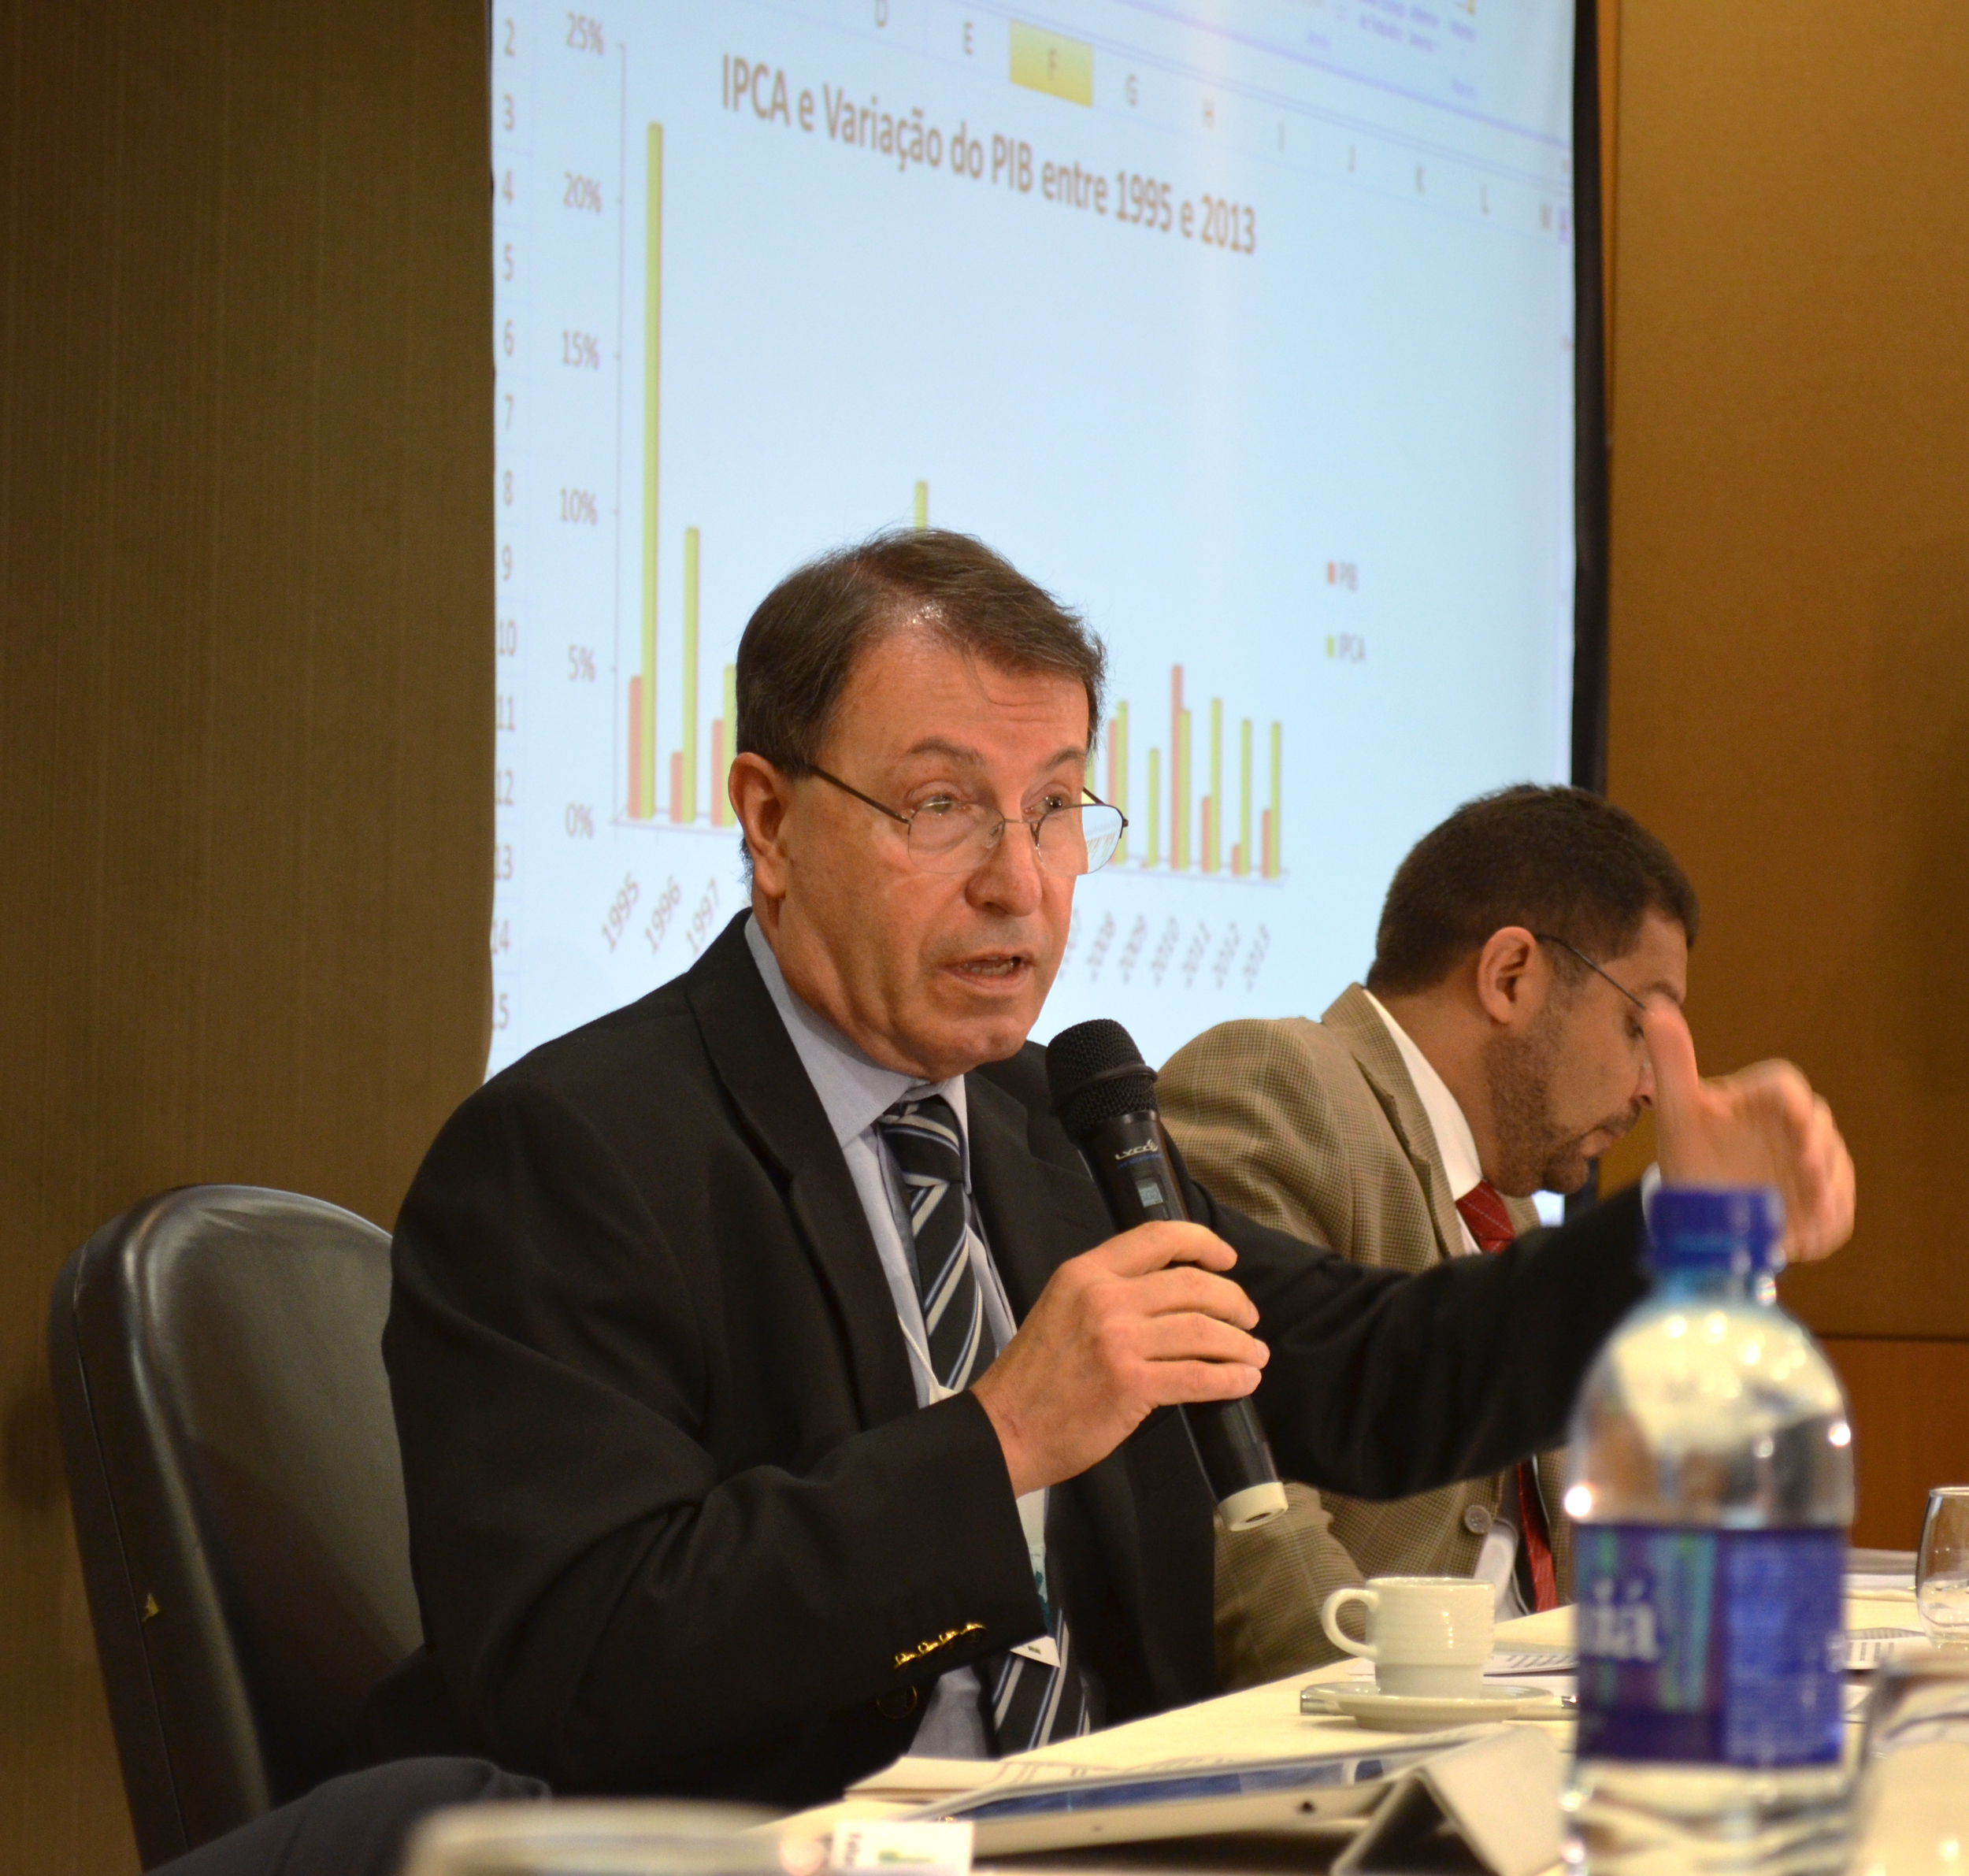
(1911, 1428)
(1790, 559)
(245, 679)
(1790, 636)
(1607, 31)
(244, 720)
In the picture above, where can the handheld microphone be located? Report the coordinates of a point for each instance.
(1104, 1096)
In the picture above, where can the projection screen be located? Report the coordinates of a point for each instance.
(1246, 327)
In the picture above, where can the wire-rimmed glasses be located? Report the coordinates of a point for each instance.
(949, 834)
(1566, 944)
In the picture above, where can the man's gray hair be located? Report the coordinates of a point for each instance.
(801, 644)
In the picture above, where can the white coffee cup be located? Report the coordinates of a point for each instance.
(1426, 1636)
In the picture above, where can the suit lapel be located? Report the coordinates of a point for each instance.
(761, 1069)
(1552, 1488)
(1036, 1213)
(1358, 1024)
(1039, 1210)
(1357, 1021)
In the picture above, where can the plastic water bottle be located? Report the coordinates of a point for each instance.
(1711, 1488)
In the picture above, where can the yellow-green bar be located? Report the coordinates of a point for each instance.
(922, 506)
(1175, 761)
(1278, 821)
(689, 743)
(1052, 63)
(1154, 808)
(1245, 796)
(1119, 751)
(1179, 834)
(652, 387)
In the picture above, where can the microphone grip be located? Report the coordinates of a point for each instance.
(1236, 1460)
(1130, 1162)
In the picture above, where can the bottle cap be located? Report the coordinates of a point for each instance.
(1732, 1228)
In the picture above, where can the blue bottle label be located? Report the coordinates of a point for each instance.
(1708, 1646)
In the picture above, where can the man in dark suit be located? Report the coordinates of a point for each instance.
(773, 1393)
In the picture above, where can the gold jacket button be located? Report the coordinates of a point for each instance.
(1475, 1520)
(899, 1704)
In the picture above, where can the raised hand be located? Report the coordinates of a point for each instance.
(1761, 1126)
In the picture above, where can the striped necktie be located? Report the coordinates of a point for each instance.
(926, 1148)
(1484, 1211)
(1029, 1701)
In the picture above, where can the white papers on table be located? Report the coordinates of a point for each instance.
(1868, 1649)
(1870, 1584)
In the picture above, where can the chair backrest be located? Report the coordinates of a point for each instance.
(238, 1495)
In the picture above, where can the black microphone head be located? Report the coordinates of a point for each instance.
(1095, 1072)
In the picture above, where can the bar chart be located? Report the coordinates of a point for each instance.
(679, 805)
(1184, 833)
(1192, 838)
(694, 794)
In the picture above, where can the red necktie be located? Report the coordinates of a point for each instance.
(1484, 1211)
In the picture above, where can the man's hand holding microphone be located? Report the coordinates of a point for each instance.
(1152, 1319)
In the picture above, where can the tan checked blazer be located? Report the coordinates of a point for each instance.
(1316, 1128)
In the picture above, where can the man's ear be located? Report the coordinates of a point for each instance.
(762, 798)
(1512, 976)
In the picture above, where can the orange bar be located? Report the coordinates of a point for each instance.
(720, 806)
(677, 784)
(636, 749)
(1269, 863)
(1237, 857)
(1206, 814)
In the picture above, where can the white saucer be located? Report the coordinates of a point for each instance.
(1424, 1713)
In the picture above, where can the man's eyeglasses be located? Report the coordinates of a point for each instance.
(1548, 938)
(946, 835)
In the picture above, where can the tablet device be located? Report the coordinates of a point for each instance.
(1197, 1798)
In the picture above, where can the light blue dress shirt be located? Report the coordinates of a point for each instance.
(855, 1092)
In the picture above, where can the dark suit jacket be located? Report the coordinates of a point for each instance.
(677, 1522)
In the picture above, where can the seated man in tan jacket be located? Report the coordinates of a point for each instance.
(1494, 1051)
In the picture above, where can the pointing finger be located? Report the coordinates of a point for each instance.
(1671, 1050)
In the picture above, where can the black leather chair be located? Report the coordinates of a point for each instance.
(238, 1495)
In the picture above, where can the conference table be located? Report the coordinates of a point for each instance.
(1266, 1723)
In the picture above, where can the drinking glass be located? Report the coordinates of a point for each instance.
(1941, 1568)
(1914, 1765)
(600, 1837)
